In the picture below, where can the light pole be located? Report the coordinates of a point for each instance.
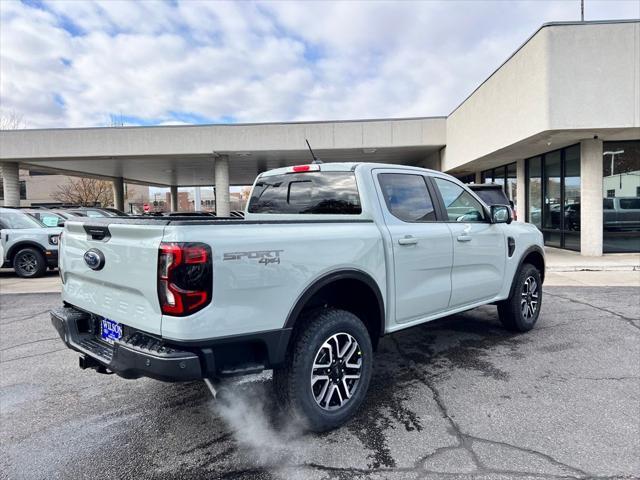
(613, 157)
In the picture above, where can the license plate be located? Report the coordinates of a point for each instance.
(110, 330)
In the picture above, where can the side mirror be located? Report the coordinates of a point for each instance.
(500, 214)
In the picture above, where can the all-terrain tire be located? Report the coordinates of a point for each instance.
(520, 312)
(293, 385)
(29, 263)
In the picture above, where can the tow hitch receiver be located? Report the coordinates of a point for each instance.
(87, 362)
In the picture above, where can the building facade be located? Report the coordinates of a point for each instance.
(39, 188)
(557, 124)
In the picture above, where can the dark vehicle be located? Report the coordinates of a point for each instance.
(493, 194)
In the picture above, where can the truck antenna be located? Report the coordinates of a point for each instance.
(315, 159)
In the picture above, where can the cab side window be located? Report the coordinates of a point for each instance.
(407, 197)
(460, 204)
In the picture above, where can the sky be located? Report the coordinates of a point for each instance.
(81, 63)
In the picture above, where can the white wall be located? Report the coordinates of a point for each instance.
(205, 139)
(566, 77)
(625, 184)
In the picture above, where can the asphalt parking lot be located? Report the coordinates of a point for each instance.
(459, 398)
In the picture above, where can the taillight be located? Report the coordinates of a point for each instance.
(185, 277)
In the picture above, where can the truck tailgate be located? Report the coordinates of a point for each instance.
(125, 288)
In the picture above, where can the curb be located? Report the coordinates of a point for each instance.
(594, 268)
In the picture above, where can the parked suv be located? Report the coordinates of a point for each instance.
(328, 259)
(493, 194)
(29, 246)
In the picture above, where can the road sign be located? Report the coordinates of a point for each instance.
(146, 207)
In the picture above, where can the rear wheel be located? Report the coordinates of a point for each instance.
(29, 263)
(521, 310)
(327, 372)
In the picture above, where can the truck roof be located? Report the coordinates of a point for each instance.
(344, 167)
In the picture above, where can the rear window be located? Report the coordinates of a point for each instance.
(313, 192)
(492, 196)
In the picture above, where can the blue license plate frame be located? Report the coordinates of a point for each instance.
(110, 330)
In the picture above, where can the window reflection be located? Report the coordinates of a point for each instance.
(534, 215)
(571, 206)
(460, 205)
(315, 192)
(621, 190)
(407, 197)
(553, 196)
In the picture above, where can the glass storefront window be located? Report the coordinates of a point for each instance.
(621, 189)
(553, 196)
(534, 194)
(552, 206)
(571, 207)
(511, 186)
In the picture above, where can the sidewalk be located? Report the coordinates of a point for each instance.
(10, 283)
(567, 261)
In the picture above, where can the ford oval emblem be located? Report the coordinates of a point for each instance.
(94, 258)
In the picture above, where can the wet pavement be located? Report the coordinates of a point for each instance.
(458, 398)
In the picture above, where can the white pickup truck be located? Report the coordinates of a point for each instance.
(329, 258)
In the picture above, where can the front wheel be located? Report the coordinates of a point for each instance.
(521, 310)
(29, 263)
(326, 376)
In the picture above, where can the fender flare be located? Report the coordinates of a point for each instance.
(525, 254)
(20, 245)
(351, 274)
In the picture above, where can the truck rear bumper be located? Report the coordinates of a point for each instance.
(138, 354)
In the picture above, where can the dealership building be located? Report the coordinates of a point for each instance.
(557, 125)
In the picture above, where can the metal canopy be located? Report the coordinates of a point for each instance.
(185, 155)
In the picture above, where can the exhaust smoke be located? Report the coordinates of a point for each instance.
(270, 437)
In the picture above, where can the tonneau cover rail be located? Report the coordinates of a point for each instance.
(88, 222)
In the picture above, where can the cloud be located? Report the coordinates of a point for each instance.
(71, 63)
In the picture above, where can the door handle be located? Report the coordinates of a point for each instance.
(464, 238)
(408, 240)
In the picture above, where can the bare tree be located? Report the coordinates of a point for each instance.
(85, 191)
(12, 121)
